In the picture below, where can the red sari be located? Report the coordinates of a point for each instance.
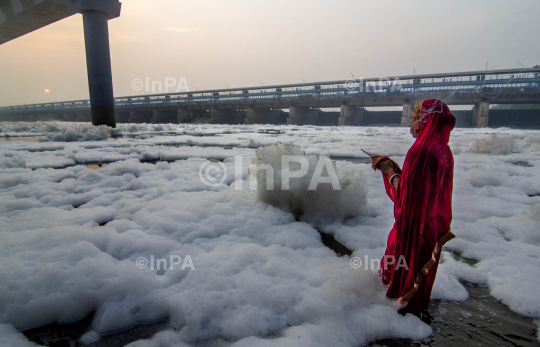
(423, 211)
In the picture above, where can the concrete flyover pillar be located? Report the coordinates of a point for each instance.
(165, 116)
(95, 14)
(480, 118)
(262, 116)
(406, 114)
(301, 115)
(351, 115)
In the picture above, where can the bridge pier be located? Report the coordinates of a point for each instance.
(301, 115)
(406, 114)
(165, 116)
(143, 116)
(480, 118)
(351, 115)
(98, 58)
(262, 116)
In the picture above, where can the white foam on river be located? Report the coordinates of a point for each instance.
(70, 237)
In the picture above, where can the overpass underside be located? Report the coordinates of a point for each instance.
(20, 17)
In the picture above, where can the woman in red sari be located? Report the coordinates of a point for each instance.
(422, 194)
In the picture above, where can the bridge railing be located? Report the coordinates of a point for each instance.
(499, 81)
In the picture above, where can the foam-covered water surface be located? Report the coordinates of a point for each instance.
(72, 237)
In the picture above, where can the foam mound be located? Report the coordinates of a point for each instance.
(323, 194)
(494, 144)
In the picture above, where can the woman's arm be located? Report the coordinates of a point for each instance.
(391, 178)
(394, 181)
(388, 168)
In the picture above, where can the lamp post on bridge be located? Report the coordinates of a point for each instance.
(95, 14)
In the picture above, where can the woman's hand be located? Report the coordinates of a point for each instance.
(385, 166)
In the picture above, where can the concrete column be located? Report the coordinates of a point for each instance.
(95, 14)
(165, 116)
(480, 118)
(406, 115)
(262, 116)
(300, 115)
(351, 115)
(140, 116)
(98, 62)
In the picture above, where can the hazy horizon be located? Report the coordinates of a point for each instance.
(239, 43)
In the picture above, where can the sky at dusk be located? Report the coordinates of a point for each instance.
(214, 44)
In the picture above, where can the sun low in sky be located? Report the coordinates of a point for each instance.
(239, 43)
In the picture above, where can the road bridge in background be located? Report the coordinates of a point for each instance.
(306, 102)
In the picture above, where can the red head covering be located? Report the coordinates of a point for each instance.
(423, 206)
(436, 123)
